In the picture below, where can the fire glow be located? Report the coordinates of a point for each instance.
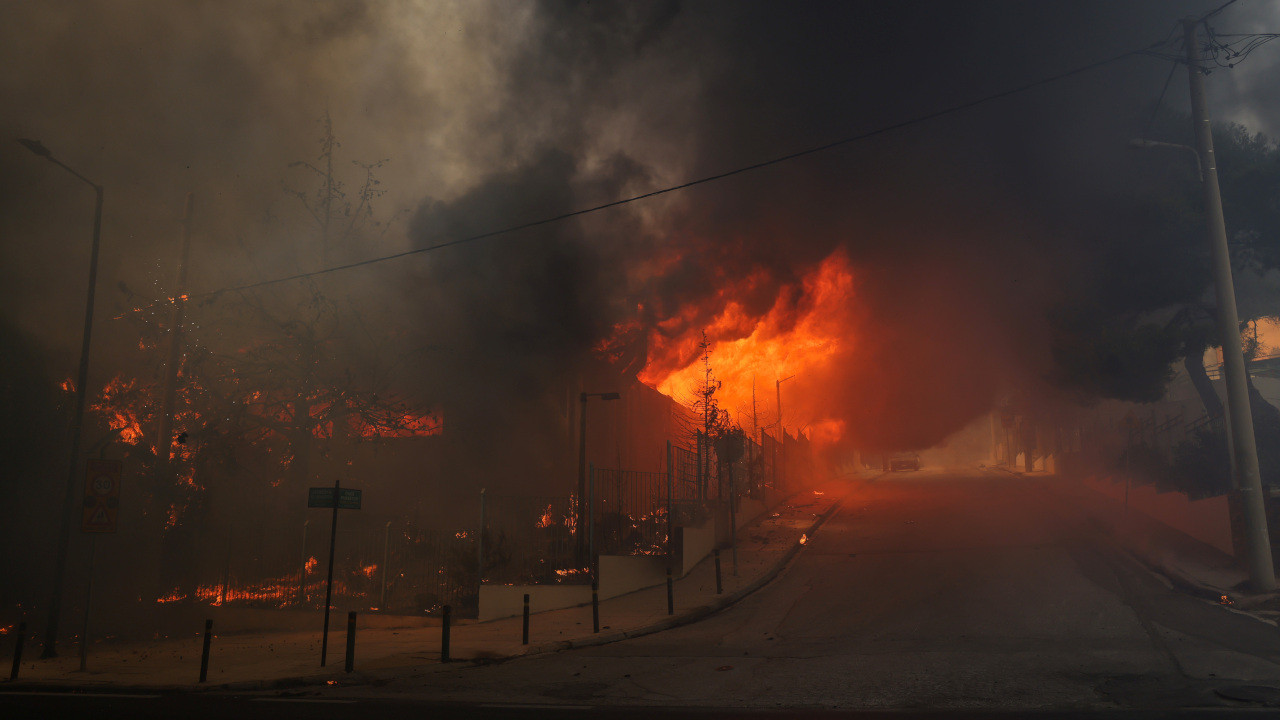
(803, 335)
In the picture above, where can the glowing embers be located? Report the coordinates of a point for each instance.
(121, 415)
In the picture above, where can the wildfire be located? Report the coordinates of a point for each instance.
(804, 539)
(802, 334)
(311, 565)
(120, 415)
(547, 519)
(369, 571)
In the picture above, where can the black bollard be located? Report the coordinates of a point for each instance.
(204, 654)
(719, 587)
(671, 597)
(351, 640)
(445, 618)
(17, 650)
(525, 635)
(595, 606)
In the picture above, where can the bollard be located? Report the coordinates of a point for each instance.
(445, 618)
(351, 640)
(525, 634)
(719, 587)
(204, 654)
(595, 606)
(17, 650)
(671, 597)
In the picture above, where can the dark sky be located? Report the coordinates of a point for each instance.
(490, 114)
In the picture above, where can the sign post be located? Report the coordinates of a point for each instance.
(335, 498)
(101, 509)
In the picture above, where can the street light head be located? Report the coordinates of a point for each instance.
(611, 396)
(36, 147)
(1142, 143)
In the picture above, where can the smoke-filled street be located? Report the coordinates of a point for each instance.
(926, 590)
(333, 333)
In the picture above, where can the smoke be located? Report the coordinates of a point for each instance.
(964, 232)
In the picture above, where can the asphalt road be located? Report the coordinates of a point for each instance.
(937, 594)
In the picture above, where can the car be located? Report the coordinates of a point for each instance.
(904, 461)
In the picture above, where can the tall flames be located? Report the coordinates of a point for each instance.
(804, 334)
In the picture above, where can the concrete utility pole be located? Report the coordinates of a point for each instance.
(164, 436)
(1247, 477)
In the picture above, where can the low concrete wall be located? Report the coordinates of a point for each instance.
(695, 543)
(499, 601)
(1208, 520)
(748, 510)
(621, 574)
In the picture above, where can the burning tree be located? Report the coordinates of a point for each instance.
(716, 424)
(289, 376)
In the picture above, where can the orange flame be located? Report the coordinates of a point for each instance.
(121, 416)
(547, 519)
(802, 335)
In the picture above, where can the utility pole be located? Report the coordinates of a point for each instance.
(755, 479)
(164, 437)
(1247, 476)
(780, 478)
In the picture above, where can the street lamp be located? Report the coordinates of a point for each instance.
(582, 469)
(77, 420)
(782, 436)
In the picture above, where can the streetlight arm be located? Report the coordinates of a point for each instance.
(77, 420)
(1144, 144)
(37, 147)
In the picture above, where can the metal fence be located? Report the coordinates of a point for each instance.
(379, 565)
(629, 512)
(532, 540)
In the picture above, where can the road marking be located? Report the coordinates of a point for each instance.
(77, 694)
(304, 700)
(535, 706)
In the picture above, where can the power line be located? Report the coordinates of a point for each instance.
(1221, 7)
(699, 181)
(1160, 100)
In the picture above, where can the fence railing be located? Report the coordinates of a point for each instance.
(532, 540)
(629, 512)
(379, 565)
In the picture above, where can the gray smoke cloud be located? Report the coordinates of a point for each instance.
(492, 114)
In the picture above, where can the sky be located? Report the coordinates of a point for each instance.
(959, 233)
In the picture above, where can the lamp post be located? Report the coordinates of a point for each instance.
(582, 470)
(782, 436)
(77, 420)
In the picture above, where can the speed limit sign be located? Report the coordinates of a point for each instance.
(101, 496)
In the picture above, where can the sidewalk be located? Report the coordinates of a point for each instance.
(1187, 563)
(283, 659)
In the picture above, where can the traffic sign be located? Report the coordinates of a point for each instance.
(101, 495)
(322, 497)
